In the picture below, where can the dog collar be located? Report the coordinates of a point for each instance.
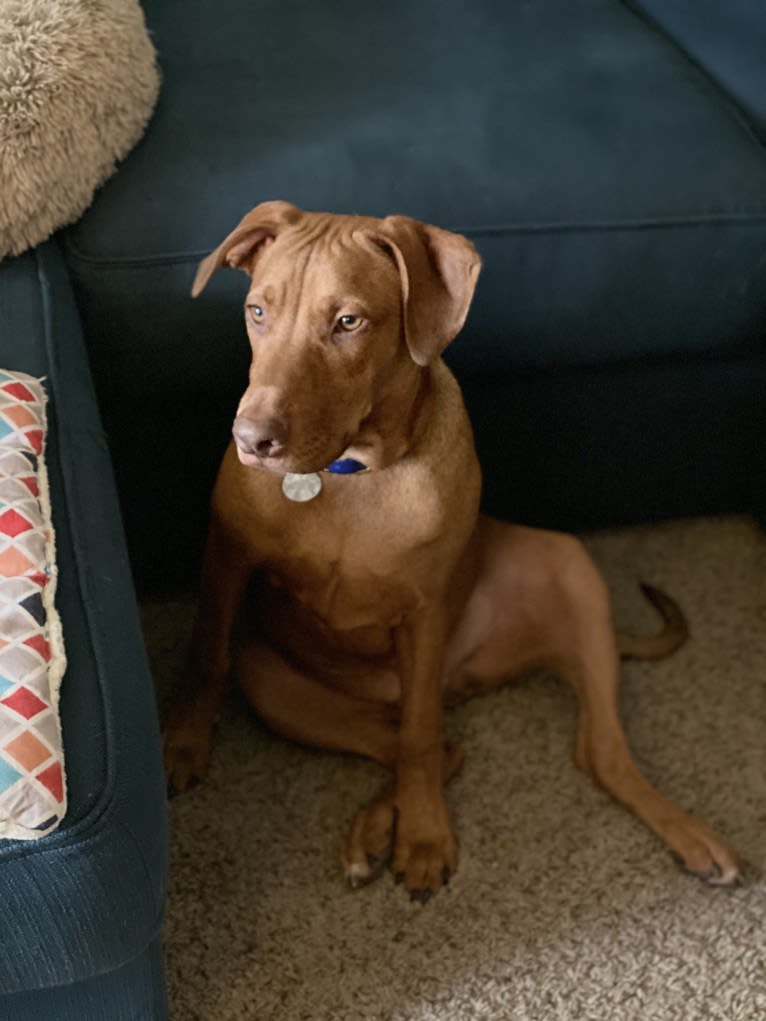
(302, 488)
(346, 466)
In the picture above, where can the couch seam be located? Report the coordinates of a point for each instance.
(532, 371)
(745, 219)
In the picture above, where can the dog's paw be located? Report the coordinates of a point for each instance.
(368, 845)
(425, 853)
(701, 852)
(186, 753)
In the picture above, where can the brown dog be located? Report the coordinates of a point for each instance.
(383, 594)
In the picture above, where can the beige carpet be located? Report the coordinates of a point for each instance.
(564, 906)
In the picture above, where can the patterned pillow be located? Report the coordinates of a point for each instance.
(32, 661)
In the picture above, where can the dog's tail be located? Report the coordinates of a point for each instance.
(672, 636)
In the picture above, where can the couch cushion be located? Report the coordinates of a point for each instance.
(613, 224)
(87, 898)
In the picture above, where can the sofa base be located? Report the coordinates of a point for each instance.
(134, 992)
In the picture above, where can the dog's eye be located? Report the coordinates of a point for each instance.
(349, 323)
(256, 313)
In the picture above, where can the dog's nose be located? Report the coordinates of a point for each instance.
(266, 437)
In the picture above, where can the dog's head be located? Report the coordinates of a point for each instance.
(341, 312)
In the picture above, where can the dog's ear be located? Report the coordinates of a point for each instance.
(438, 270)
(240, 247)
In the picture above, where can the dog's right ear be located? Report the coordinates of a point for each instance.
(438, 271)
(240, 247)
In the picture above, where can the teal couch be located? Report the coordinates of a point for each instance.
(609, 160)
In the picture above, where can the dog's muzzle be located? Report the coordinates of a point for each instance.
(261, 438)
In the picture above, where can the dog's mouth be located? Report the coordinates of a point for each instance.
(285, 465)
(272, 464)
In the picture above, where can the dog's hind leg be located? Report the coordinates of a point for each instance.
(592, 666)
(303, 709)
(540, 601)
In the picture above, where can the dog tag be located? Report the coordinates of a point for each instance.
(301, 488)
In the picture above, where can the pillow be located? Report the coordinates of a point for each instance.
(78, 82)
(32, 661)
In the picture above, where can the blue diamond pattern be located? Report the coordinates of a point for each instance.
(8, 775)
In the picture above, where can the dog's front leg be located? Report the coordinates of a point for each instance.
(425, 850)
(187, 735)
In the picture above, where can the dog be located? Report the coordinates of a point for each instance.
(350, 493)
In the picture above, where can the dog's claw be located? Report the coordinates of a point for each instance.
(714, 874)
(421, 896)
(174, 789)
(360, 874)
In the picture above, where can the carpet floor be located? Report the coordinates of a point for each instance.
(564, 906)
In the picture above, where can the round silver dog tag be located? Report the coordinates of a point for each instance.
(301, 488)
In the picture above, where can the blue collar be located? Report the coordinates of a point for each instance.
(346, 466)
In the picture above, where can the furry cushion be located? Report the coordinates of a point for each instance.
(78, 82)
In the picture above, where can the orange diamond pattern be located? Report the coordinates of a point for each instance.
(28, 750)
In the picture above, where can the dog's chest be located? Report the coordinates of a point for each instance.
(354, 566)
(344, 597)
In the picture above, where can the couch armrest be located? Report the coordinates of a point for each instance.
(88, 898)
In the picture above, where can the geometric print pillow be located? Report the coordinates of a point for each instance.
(32, 660)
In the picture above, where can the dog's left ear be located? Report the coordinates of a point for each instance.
(239, 248)
(438, 270)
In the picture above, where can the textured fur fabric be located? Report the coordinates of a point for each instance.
(78, 82)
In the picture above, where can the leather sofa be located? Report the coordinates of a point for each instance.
(607, 157)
